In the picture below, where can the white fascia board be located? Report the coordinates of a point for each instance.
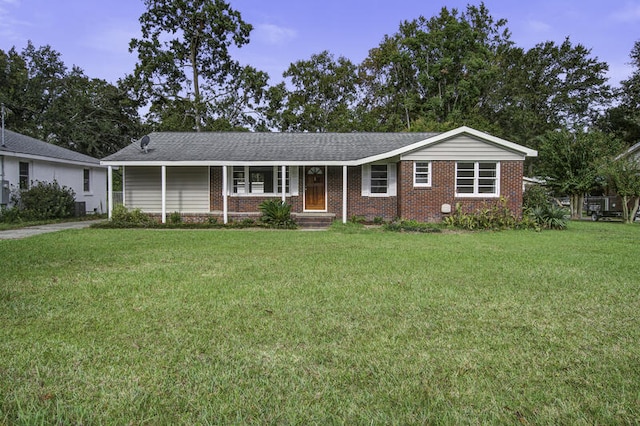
(230, 163)
(50, 159)
(527, 152)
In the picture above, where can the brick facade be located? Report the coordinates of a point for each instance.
(418, 203)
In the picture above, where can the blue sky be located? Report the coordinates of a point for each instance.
(94, 35)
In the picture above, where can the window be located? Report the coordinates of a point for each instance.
(259, 180)
(421, 174)
(86, 179)
(379, 180)
(24, 175)
(477, 179)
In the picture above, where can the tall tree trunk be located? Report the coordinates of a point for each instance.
(576, 201)
(196, 90)
(629, 208)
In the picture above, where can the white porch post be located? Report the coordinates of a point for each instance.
(123, 171)
(110, 191)
(164, 194)
(225, 202)
(344, 194)
(284, 184)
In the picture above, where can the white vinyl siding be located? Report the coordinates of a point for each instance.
(379, 180)
(463, 148)
(187, 189)
(477, 179)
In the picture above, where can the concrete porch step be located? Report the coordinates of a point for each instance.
(313, 220)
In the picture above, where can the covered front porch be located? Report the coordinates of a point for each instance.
(232, 191)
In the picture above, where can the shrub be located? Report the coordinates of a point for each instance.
(495, 217)
(535, 196)
(46, 200)
(357, 219)
(175, 218)
(412, 226)
(378, 220)
(276, 214)
(10, 214)
(122, 216)
(549, 217)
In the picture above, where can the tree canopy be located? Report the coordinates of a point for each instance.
(185, 69)
(459, 67)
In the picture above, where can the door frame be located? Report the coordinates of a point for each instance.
(304, 190)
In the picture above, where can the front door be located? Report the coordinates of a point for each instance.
(314, 188)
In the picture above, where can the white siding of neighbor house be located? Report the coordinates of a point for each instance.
(69, 175)
(187, 189)
(463, 148)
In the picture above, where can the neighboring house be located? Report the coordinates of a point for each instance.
(25, 160)
(419, 176)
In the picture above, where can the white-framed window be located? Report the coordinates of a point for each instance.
(86, 180)
(379, 180)
(477, 179)
(23, 175)
(422, 174)
(258, 180)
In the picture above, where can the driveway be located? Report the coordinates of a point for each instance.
(15, 234)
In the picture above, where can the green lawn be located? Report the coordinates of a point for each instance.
(102, 326)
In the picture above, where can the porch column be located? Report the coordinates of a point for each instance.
(164, 194)
(123, 171)
(344, 194)
(225, 202)
(284, 184)
(110, 191)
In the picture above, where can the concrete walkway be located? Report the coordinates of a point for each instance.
(15, 234)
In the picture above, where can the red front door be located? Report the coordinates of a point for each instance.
(314, 188)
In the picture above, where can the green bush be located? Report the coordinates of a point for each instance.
(10, 215)
(46, 200)
(412, 226)
(492, 217)
(175, 218)
(121, 216)
(276, 214)
(535, 196)
(549, 217)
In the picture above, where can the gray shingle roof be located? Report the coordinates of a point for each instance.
(21, 144)
(253, 147)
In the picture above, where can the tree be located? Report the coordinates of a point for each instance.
(546, 88)
(571, 162)
(439, 70)
(185, 65)
(624, 119)
(323, 94)
(46, 101)
(624, 178)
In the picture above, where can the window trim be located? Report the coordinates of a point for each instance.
(291, 180)
(86, 180)
(21, 176)
(416, 184)
(391, 180)
(476, 179)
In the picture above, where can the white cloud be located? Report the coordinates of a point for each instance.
(629, 13)
(273, 34)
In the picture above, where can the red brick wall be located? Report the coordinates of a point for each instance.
(424, 204)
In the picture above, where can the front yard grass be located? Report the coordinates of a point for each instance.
(102, 326)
